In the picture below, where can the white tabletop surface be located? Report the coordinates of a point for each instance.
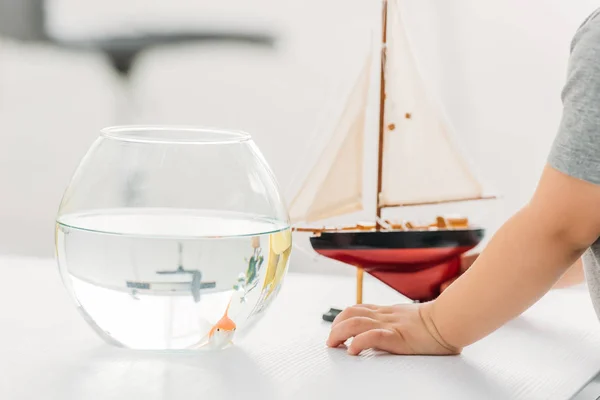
(48, 352)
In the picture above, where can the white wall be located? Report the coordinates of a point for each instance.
(52, 105)
(498, 67)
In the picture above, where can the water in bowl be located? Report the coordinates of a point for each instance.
(162, 279)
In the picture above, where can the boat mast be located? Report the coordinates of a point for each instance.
(382, 96)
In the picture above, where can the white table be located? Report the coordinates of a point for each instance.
(48, 352)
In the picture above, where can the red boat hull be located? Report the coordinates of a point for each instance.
(415, 263)
(415, 280)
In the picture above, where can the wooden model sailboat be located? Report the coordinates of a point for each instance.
(417, 164)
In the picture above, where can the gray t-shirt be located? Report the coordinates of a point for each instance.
(576, 148)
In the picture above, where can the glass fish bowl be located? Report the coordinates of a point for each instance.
(172, 237)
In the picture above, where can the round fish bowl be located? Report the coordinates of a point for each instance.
(172, 237)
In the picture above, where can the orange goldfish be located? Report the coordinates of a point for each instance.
(222, 332)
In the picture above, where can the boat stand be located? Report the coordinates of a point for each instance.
(359, 285)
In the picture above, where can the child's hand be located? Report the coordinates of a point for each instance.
(400, 329)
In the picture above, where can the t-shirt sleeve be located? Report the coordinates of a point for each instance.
(576, 148)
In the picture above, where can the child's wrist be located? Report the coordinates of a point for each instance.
(426, 312)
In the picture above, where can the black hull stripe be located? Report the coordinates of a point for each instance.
(397, 239)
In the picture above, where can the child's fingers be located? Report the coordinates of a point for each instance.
(381, 339)
(369, 306)
(350, 328)
(351, 312)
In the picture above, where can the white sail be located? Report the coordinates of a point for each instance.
(334, 185)
(420, 163)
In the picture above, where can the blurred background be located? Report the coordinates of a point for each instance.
(275, 68)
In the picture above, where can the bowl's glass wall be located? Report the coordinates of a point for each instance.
(209, 170)
(173, 238)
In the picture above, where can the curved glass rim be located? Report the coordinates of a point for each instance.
(173, 134)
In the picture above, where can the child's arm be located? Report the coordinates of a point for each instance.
(522, 262)
(524, 259)
(573, 276)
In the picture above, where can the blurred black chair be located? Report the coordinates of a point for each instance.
(26, 20)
